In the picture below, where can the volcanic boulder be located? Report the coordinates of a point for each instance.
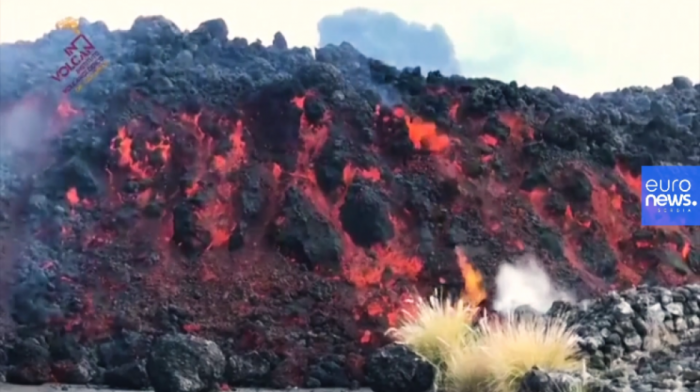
(496, 128)
(306, 235)
(365, 214)
(251, 369)
(123, 357)
(189, 235)
(331, 371)
(122, 348)
(30, 363)
(132, 375)
(395, 368)
(214, 29)
(185, 363)
(255, 192)
(72, 363)
(576, 186)
(331, 163)
(561, 131)
(76, 173)
(279, 41)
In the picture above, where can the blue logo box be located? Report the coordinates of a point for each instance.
(670, 195)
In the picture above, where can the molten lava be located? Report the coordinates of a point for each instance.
(424, 134)
(297, 228)
(474, 290)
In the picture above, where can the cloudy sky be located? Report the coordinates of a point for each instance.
(582, 46)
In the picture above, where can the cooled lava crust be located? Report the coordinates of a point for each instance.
(288, 213)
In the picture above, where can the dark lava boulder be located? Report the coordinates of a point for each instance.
(188, 232)
(329, 372)
(538, 381)
(123, 349)
(279, 41)
(305, 234)
(248, 370)
(30, 363)
(365, 215)
(185, 363)
(132, 375)
(395, 368)
(576, 186)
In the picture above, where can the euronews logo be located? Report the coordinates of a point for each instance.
(670, 195)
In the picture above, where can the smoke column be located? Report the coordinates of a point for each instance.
(386, 37)
(23, 126)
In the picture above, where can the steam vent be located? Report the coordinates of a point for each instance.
(261, 214)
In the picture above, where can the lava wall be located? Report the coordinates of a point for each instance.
(279, 204)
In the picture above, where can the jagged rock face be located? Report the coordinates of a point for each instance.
(281, 203)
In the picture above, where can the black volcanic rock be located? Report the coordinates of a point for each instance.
(131, 375)
(249, 370)
(184, 363)
(395, 368)
(365, 214)
(29, 363)
(279, 41)
(305, 234)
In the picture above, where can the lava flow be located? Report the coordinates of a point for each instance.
(294, 224)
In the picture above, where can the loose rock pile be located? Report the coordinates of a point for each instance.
(643, 339)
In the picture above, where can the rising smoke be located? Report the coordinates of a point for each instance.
(22, 126)
(387, 37)
(525, 282)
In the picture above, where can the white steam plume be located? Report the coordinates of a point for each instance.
(23, 126)
(525, 282)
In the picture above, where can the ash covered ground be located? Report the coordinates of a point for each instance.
(282, 203)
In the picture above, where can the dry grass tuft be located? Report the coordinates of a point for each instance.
(436, 327)
(466, 370)
(492, 355)
(515, 345)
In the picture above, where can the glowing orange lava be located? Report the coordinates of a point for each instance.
(72, 196)
(213, 180)
(424, 134)
(474, 290)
